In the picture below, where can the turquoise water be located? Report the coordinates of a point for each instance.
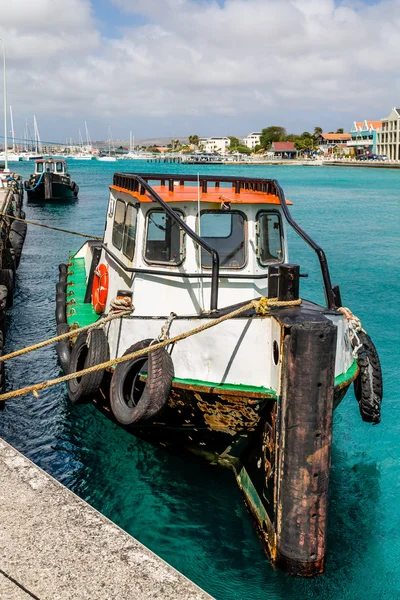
(190, 513)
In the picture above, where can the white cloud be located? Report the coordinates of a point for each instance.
(195, 58)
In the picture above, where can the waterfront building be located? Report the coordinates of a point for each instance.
(214, 144)
(283, 150)
(328, 141)
(364, 137)
(252, 140)
(388, 137)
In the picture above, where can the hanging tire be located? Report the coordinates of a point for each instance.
(9, 260)
(368, 386)
(61, 314)
(3, 299)
(62, 269)
(61, 297)
(17, 238)
(83, 356)
(63, 348)
(133, 401)
(7, 278)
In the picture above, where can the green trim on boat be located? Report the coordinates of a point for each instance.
(349, 375)
(227, 387)
(79, 312)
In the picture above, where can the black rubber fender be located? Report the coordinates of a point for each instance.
(9, 260)
(3, 298)
(17, 238)
(62, 268)
(368, 386)
(7, 278)
(61, 314)
(84, 356)
(61, 287)
(63, 348)
(133, 401)
(61, 297)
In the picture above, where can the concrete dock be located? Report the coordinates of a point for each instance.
(54, 546)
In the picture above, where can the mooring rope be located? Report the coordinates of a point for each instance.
(86, 235)
(260, 306)
(73, 333)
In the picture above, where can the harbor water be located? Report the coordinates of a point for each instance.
(188, 512)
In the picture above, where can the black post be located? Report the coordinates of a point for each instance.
(304, 442)
(273, 280)
(288, 288)
(48, 186)
(96, 252)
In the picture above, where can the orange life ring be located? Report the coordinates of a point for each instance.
(100, 288)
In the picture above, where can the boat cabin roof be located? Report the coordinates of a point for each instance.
(51, 165)
(185, 188)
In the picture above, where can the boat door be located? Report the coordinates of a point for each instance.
(120, 240)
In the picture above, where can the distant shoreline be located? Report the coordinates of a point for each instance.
(318, 163)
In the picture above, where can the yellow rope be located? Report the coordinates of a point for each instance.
(258, 305)
(64, 336)
(86, 235)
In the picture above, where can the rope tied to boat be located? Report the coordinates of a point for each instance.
(259, 306)
(85, 235)
(355, 327)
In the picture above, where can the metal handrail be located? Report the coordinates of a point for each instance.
(197, 239)
(131, 181)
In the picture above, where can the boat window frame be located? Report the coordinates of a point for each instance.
(182, 235)
(123, 224)
(41, 164)
(258, 238)
(246, 238)
(135, 208)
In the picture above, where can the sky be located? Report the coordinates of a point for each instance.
(173, 68)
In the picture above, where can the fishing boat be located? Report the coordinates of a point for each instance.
(51, 181)
(192, 291)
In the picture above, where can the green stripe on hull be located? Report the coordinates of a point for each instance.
(348, 376)
(227, 387)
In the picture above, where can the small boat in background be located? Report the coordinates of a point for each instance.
(105, 158)
(51, 181)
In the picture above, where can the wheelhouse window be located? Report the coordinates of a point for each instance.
(50, 167)
(128, 245)
(164, 239)
(39, 167)
(269, 242)
(59, 167)
(225, 231)
(124, 229)
(119, 220)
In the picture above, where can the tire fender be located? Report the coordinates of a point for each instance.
(87, 353)
(61, 315)
(63, 348)
(368, 386)
(7, 278)
(131, 401)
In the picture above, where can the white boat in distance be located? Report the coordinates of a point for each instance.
(83, 156)
(107, 158)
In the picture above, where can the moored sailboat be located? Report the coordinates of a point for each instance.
(254, 388)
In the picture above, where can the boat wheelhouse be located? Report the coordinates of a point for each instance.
(51, 181)
(254, 388)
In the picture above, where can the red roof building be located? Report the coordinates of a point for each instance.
(283, 149)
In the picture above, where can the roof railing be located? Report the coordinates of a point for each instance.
(139, 182)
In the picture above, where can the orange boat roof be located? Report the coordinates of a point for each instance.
(213, 195)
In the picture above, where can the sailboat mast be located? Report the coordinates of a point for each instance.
(12, 129)
(88, 140)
